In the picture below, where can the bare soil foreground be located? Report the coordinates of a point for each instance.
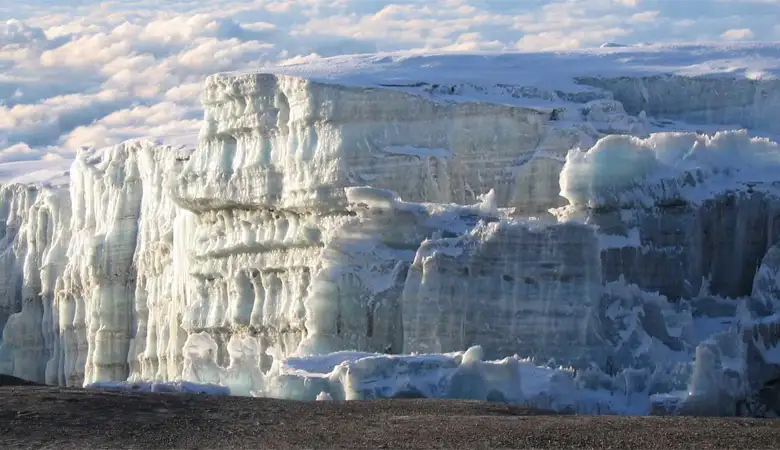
(47, 417)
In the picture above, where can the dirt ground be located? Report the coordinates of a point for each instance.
(63, 418)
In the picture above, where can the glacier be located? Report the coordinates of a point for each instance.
(594, 231)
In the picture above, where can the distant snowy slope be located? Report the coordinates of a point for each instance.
(710, 85)
(53, 172)
(548, 70)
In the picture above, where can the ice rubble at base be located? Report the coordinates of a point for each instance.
(253, 261)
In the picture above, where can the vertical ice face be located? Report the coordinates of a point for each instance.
(671, 248)
(524, 288)
(249, 271)
(687, 216)
(72, 305)
(766, 285)
(673, 206)
(748, 103)
(719, 377)
(290, 143)
(35, 224)
(355, 299)
(100, 277)
(278, 251)
(161, 261)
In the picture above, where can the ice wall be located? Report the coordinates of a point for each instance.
(766, 284)
(511, 287)
(71, 267)
(315, 217)
(281, 254)
(747, 103)
(99, 280)
(161, 260)
(291, 143)
(33, 247)
(677, 208)
(692, 216)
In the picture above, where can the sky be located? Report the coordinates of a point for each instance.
(86, 73)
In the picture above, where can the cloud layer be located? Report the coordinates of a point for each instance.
(88, 73)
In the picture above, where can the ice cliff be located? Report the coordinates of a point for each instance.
(564, 230)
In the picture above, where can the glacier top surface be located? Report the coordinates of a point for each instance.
(552, 70)
(36, 172)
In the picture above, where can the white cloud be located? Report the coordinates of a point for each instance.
(737, 34)
(86, 72)
(15, 33)
(645, 16)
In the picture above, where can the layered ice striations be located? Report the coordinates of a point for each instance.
(667, 203)
(281, 253)
(161, 262)
(528, 243)
(538, 285)
(35, 237)
(291, 143)
(72, 267)
(746, 103)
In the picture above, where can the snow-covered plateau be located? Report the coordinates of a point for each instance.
(594, 231)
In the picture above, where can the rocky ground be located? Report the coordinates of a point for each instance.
(46, 417)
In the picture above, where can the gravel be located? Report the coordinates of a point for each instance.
(68, 418)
